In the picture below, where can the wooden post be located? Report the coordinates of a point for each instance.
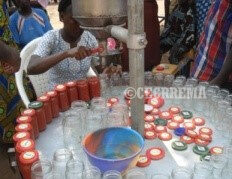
(136, 62)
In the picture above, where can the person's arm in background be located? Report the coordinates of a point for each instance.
(187, 39)
(225, 72)
(9, 55)
(166, 7)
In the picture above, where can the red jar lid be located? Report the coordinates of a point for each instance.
(52, 93)
(21, 136)
(23, 119)
(23, 127)
(29, 157)
(26, 144)
(28, 112)
(71, 84)
(165, 115)
(60, 88)
(44, 98)
(155, 111)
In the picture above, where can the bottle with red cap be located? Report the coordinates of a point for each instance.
(72, 91)
(45, 99)
(24, 145)
(31, 113)
(63, 97)
(40, 114)
(26, 159)
(26, 127)
(83, 90)
(54, 103)
(20, 136)
(94, 87)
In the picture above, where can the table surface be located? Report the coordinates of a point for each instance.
(52, 139)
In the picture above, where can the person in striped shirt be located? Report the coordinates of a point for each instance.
(215, 41)
(28, 23)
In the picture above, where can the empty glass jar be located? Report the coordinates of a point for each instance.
(92, 173)
(136, 174)
(112, 174)
(40, 169)
(74, 169)
(182, 173)
(60, 159)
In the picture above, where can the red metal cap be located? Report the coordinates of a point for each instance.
(28, 112)
(24, 145)
(52, 93)
(21, 136)
(44, 98)
(23, 127)
(23, 119)
(60, 88)
(29, 157)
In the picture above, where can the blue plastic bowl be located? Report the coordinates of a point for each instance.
(115, 148)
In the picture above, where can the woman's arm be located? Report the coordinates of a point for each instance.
(38, 65)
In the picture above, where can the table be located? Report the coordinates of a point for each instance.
(52, 139)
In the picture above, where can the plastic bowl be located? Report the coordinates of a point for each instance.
(115, 148)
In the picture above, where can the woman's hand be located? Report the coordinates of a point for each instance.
(79, 53)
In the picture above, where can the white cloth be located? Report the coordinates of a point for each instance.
(69, 69)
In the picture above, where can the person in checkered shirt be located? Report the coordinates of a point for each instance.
(215, 41)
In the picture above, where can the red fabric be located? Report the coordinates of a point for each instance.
(152, 29)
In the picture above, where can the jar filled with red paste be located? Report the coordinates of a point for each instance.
(24, 145)
(54, 103)
(31, 113)
(83, 90)
(45, 99)
(26, 159)
(72, 91)
(20, 136)
(64, 103)
(25, 127)
(40, 114)
(94, 87)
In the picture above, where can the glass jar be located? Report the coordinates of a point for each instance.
(60, 159)
(112, 174)
(192, 81)
(223, 93)
(122, 108)
(220, 111)
(218, 162)
(98, 102)
(149, 79)
(229, 99)
(182, 173)
(95, 119)
(74, 169)
(181, 78)
(72, 130)
(203, 170)
(125, 79)
(213, 105)
(168, 80)
(136, 174)
(160, 176)
(158, 79)
(92, 173)
(40, 169)
(79, 104)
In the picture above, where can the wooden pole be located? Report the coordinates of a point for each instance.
(136, 62)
